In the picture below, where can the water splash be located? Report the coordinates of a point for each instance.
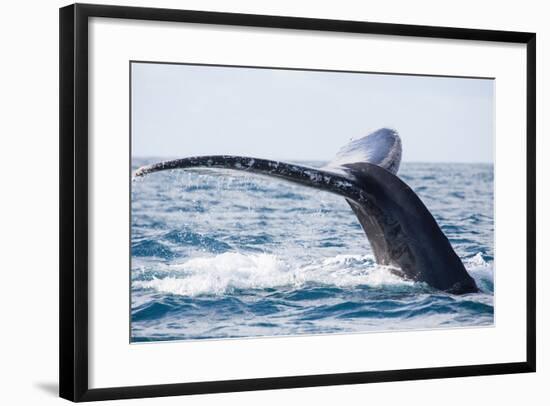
(216, 255)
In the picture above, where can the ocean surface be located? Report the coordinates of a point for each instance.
(223, 254)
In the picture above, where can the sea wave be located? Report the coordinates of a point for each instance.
(216, 255)
(225, 273)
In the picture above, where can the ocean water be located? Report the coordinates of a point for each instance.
(223, 254)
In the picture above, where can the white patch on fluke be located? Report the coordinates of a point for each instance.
(382, 148)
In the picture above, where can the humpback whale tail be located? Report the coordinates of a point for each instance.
(401, 231)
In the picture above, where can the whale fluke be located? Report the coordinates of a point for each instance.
(402, 232)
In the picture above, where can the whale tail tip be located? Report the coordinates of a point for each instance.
(381, 147)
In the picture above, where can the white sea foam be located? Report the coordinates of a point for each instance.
(222, 273)
(476, 261)
(479, 268)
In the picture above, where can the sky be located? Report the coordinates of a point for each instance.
(188, 110)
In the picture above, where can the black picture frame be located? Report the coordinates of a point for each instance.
(73, 254)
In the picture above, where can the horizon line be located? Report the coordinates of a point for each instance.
(166, 158)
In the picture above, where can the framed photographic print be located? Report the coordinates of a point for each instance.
(258, 202)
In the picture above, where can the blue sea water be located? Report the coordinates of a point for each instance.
(219, 254)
